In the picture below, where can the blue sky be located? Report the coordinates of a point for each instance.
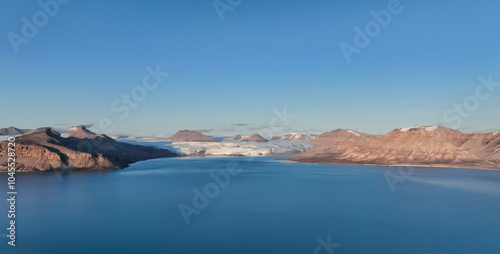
(264, 55)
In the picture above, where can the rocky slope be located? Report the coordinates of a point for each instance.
(46, 150)
(191, 136)
(418, 146)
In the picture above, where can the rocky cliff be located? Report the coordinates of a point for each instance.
(45, 150)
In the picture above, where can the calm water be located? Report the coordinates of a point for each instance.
(267, 206)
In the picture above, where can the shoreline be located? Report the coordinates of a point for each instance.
(420, 165)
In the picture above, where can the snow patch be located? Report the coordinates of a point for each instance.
(355, 133)
(407, 128)
(421, 128)
(431, 128)
(296, 136)
(496, 132)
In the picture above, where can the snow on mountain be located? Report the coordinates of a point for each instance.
(496, 132)
(297, 136)
(355, 133)
(418, 128)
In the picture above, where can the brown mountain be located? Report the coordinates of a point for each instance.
(337, 141)
(46, 150)
(191, 136)
(82, 132)
(418, 146)
(255, 138)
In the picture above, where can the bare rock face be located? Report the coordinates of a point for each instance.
(417, 145)
(46, 150)
(237, 137)
(191, 136)
(255, 138)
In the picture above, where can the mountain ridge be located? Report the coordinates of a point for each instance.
(47, 150)
(418, 146)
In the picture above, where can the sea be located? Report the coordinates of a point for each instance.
(254, 205)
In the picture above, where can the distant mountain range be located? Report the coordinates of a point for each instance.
(288, 137)
(13, 131)
(46, 150)
(433, 146)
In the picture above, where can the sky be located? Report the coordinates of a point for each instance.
(237, 66)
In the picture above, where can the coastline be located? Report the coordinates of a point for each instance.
(421, 165)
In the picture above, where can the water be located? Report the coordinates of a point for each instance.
(268, 206)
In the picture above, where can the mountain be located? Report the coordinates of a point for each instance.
(12, 131)
(82, 132)
(46, 150)
(237, 137)
(191, 136)
(417, 145)
(298, 136)
(255, 138)
(337, 141)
